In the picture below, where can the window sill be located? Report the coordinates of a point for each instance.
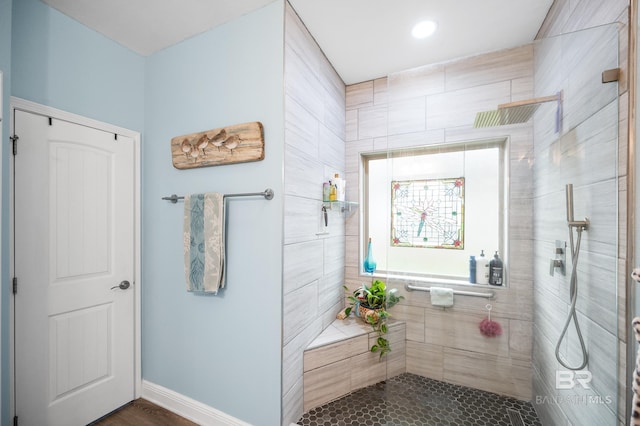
(416, 279)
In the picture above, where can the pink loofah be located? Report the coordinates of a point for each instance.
(490, 328)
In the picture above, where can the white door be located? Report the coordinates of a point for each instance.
(74, 245)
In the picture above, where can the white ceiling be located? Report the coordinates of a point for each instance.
(363, 39)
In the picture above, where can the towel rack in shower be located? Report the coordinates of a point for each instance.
(267, 194)
(490, 295)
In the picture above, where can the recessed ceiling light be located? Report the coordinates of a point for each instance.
(424, 29)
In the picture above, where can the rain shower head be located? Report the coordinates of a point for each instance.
(503, 116)
(518, 112)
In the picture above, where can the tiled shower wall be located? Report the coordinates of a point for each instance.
(313, 255)
(437, 105)
(598, 189)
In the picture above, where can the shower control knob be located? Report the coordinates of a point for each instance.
(556, 263)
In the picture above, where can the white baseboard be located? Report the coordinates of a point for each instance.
(186, 407)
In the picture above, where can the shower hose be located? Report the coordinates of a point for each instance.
(573, 291)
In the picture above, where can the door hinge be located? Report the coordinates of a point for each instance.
(15, 285)
(14, 142)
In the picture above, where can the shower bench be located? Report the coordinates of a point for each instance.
(339, 361)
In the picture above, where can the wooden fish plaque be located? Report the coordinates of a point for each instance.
(239, 143)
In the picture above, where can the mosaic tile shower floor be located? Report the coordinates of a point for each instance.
(410, 400)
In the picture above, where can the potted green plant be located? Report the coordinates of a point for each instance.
(371, 303)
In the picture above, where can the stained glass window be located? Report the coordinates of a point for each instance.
(428, 213)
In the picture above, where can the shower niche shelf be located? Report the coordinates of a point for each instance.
(347, 208)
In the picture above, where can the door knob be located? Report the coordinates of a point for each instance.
(122, 286)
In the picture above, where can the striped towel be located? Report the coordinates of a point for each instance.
(204, 243)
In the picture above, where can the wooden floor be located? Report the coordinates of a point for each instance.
(142, 413)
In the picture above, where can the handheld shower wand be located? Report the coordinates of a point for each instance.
(584, 224)
(580, 226)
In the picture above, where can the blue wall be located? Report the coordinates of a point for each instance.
(224, 350)
(60, 63)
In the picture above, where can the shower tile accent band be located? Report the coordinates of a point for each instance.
(489, 295)
(267, 194)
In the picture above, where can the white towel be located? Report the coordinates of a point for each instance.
(204, 245)
(441, 296)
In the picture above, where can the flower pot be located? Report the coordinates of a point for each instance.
(365, 312)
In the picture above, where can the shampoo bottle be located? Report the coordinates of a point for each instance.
(340, 187)
(472, 269)
(495, 270)
(482, 269)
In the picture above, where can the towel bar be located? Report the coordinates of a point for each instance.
(267, 194)
(490, 295)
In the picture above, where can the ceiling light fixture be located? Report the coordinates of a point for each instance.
(424, 29)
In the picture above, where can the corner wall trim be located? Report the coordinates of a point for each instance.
(186, 407)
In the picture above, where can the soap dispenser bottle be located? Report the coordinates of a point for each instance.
(472, 269)
(495, 270)
(482, 269)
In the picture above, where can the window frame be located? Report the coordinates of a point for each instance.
(503, 146)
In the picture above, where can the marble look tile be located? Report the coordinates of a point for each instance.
(293, 403)
(407, 116)
(461, 331)
(352, 326)
(300, 308)
(414, 317)
(351, 125)
(303, 175)
(380, 91)
(359, 95)
(488, 372)
(353, 150)
(372, 122)
(490, 68)
(334, 118)
(522, 88)
(520, 339)
(550, 314)
(588, 14)
(544, 361)
(601, 346)
(333, 84)
(328, 354)
(292, 355)
(301, 219)
(330, 291)
(326, 384)
(623, 133)
(459, 108)
(333, 254)
(297, 270)
(623, 50)
(301, 128)
(301, 83)
(469, 133)
(299, 41)
(591, 52)
(414, 139)
(367, 369)
(421, 81)
(548, 411)
(332, 149)
(351, 247)
(397, 359)
(425, 360)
